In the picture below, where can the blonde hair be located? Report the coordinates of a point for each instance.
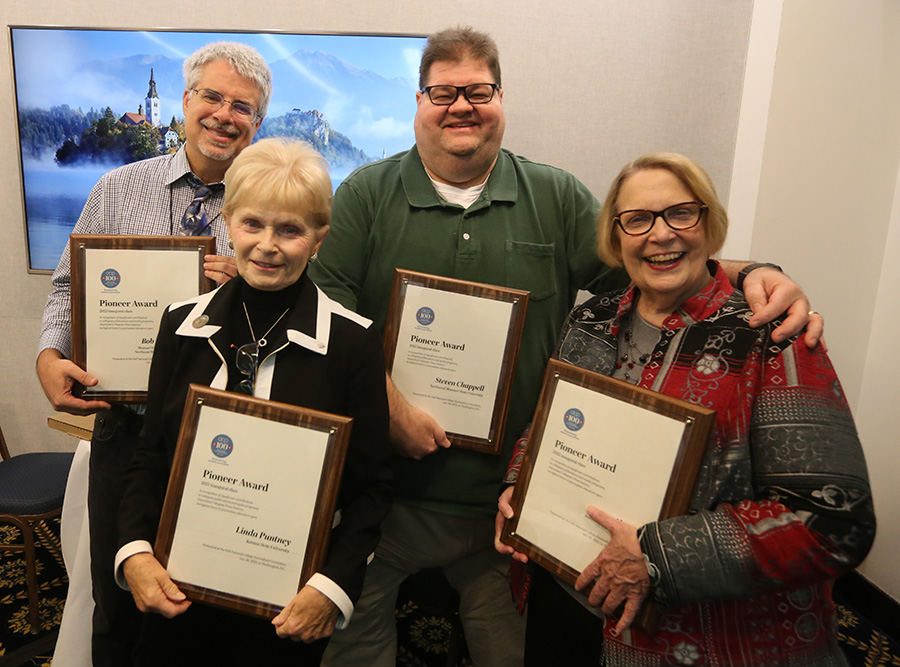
(283, 173)
(694, 178)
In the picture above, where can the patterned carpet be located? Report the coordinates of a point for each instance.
(869, 623)
(430, 634)
(863, 644)
(15, 635)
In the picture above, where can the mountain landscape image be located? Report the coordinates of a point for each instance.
(80, 118)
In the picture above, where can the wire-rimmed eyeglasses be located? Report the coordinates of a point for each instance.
(215, 99)
(475, 93)
(679, 217)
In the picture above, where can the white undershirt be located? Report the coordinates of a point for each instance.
(464, 197)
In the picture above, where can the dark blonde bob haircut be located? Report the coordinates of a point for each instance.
(694, 178)
(283, 174)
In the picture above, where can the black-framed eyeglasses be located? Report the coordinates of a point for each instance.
(678, 217)
(214, 99)
(247, 362)
(475, 93)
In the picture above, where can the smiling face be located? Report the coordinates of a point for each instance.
(272, 247)
(668, 266)
(459, 143)
(216, 135)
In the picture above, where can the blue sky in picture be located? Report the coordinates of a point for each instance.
(363, 85)
(390, 57)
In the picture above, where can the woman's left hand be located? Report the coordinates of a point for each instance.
(620, 571)
(310, 616)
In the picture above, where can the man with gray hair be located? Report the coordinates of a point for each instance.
(227, 91)
(458, 205)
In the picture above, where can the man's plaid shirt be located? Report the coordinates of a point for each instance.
(148, 197)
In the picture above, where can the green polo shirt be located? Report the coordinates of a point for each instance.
(532, 228)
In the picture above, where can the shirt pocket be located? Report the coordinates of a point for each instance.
(532, 267)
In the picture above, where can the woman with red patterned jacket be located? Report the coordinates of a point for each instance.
(782, 504)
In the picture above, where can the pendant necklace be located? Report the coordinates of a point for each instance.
(632, 356)
(262, 341)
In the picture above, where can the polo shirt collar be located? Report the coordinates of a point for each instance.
(420, 192)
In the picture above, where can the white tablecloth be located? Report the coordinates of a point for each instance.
(73, 647)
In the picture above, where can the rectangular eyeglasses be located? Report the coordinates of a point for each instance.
(679, 217)
(475, 93)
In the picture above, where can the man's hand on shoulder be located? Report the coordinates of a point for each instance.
(771, 293)
(58, 376)
(414, 433)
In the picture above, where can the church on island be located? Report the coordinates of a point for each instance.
(169, 139)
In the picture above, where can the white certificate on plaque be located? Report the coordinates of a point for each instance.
(247, 507)
(586, 457)
(449, 356)
(126, 292)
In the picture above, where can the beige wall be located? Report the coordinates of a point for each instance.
(878, 417)
(827, 212)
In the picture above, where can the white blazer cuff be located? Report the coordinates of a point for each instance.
(130, 549)
(336, 594)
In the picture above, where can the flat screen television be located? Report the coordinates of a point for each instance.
(351, 95)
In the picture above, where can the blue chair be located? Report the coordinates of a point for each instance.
(32, 487)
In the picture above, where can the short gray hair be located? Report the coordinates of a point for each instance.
(245, 60)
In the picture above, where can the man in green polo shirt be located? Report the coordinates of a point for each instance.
(460, 206)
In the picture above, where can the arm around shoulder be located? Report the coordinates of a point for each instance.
(770, 293)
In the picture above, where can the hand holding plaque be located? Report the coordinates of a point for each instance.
(598, 441)
(225, 536)
(451, 348)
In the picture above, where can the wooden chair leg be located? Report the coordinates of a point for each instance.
(26, 548)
